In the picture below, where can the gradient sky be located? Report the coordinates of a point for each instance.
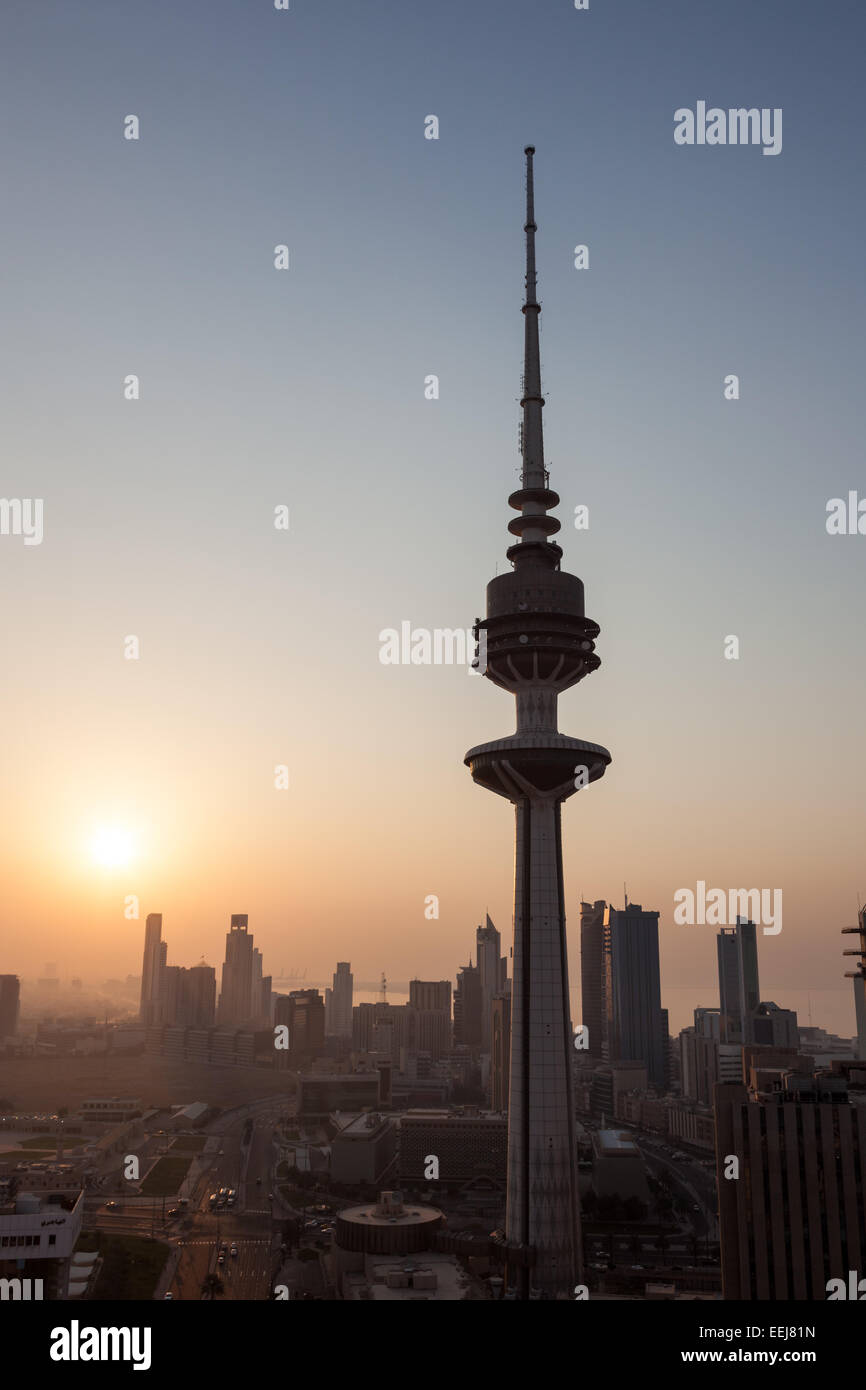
(306, 387)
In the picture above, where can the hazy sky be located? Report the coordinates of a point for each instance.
(305, 387)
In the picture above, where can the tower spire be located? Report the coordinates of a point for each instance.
(534, 498)
(534, 473)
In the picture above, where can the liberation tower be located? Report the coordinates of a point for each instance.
(539, 642)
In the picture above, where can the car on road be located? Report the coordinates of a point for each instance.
(111, 1206)
(270, 1196)
(169, 1296)
(173, 1211)
(221, 1259)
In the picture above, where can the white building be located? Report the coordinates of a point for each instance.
(37, 1238)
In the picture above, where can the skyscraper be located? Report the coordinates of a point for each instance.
(152, 965)
(467, 1007)
(303, 1011)
(10, 992)
(536, 642)
(237, 974)
(255, 1010)
(500, 1050)
(492, 969)
(431, 1000)
(636, 1027)
(739, 991)
(593, 983)
(338, 1002)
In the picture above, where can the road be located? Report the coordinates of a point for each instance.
(195, 1237)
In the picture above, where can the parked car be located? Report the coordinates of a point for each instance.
(233, 1252)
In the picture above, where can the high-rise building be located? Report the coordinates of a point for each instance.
(152, 966)
(739, 990)
(492, 970)
(774, 1027)
(467, 1007)
(169, 1008)
(338, 1002)
(593, 981)
(431, 994)
(303, 1012)
(537, 642)
(384, 1027)
(266, 1006)
(500, 1050)
(431, 1000)
(635, 1024)
(794, 1217)
(858, 976)
(255, 1010)
(621, 988)
(704, 1060)
(235, 1003)
(198, 996)
(10, 1004)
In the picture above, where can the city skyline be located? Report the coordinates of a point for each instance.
(156, 525)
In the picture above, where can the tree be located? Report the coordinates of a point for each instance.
(212, 1286)
(634, 1208)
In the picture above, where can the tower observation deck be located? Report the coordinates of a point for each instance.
(539, 642)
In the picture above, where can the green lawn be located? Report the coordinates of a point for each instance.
(132, 1264)
(166, 1176)
(190, 1143)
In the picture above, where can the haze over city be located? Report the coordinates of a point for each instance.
(261, 647)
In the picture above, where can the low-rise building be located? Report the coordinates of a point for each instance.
(37, 1238)
(363, 1148)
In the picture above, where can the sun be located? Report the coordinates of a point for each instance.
(112, 847)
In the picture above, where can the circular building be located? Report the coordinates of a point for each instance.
(387, 1227)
